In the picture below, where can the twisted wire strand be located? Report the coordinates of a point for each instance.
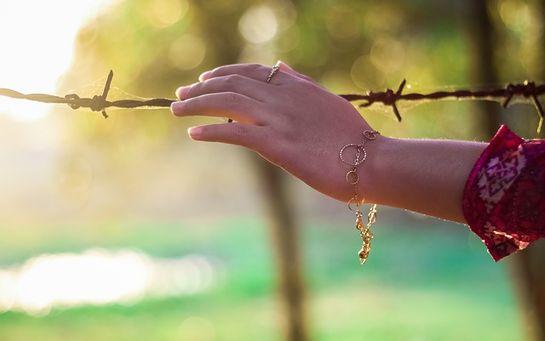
(389, 97)
(97, 103)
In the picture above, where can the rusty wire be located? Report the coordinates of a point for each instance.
(527, 89)
(98, 103)
(389, 97)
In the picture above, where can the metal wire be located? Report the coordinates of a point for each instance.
(389, 97)
(97, 103)
(527, 89)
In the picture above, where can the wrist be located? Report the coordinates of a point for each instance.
(375, 171)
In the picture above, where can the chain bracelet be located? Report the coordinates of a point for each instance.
(352, 178)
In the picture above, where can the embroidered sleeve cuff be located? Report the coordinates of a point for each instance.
(501, 190)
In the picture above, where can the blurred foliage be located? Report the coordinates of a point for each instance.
(138, 166)
(349, 46)
(425, 281)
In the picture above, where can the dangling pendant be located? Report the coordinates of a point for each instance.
(366, 236)
(355, 202)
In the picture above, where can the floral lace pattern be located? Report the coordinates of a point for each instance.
(504, 196)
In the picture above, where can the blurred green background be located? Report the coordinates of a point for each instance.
(81, 194)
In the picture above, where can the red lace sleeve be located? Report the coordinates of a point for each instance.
(504, 196)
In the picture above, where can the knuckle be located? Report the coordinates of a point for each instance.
(240, 130)
(233, 99)
(187, 106)
(195, 90)
(192, 104)
(216, 72)
(231, 79)
(210, 84)
(236, 78)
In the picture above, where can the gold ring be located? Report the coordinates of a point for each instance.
(274, 70)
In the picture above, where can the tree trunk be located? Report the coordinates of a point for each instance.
(530, 262)
(482, 39)
(527, 265)
(284, 234)
(530, 274)
(281, 214)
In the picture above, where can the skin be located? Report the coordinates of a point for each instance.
(298, 125)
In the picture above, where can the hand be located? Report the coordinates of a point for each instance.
(292, 122)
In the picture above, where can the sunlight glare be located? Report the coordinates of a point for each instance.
(37, 38)
(98, 277)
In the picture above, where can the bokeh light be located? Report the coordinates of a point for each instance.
(124, 228)
(164, 13)
(100, 277)
(258, 24)
(187, 52)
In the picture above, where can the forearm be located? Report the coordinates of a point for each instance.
(299, 126)
(296, 124)
(426, 176)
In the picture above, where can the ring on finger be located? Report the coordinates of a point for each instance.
(273, 72)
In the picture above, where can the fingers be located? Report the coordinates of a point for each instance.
(236, 106)
(246, 135)
(257, 72)
(230, 83)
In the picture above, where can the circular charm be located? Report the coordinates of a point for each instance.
(354, 202)
(370, 134)
(352, 177)
(360, 154)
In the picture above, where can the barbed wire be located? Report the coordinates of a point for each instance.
(98, 103)
(389, 97)
(527, 89)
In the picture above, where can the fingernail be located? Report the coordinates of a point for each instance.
(176, 107)
(204, 75)
(194, 132)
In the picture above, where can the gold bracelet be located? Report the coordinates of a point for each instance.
(352, 178)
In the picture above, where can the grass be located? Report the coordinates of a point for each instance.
(426, 280)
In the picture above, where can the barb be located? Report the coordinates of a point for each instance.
(389, 97)
(98, 103)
